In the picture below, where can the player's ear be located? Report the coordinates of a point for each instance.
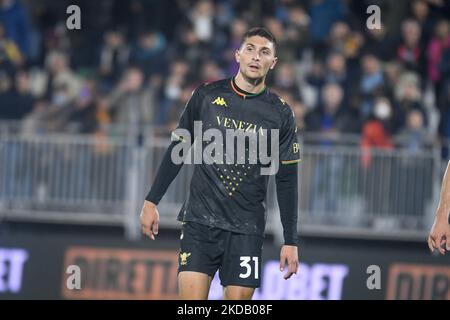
(274, 62)
(237, 56)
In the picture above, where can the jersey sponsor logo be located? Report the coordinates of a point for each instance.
(239, 125)
(183, 257)
(220, 102)
(250, 145)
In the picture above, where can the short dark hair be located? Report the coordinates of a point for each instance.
(262, 32)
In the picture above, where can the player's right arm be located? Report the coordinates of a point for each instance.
(168, 170)
(440, 231)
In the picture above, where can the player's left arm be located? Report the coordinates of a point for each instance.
(287, 191)
(287, 195)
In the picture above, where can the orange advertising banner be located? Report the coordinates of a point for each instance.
(418, 282)
(121, 273)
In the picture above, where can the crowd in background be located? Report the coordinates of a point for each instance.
(136, 63)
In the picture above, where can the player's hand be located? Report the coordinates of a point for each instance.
(289, 254)
(149, 219)
(439, 234)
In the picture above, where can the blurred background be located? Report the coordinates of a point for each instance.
(85, 117)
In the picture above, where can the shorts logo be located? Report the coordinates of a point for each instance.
(220, 102)
(183, 257)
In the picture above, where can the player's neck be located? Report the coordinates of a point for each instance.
(253, 86)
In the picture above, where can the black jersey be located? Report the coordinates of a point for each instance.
(231, 196)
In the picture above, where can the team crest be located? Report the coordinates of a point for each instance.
(183, 257)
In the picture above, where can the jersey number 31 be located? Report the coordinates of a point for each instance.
(245, 263)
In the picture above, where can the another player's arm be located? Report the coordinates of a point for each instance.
(287, 191)
(440, 231)
(167, 170)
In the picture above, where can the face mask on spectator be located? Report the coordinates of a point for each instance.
(172, 92)
(59, 99)
(382, 111)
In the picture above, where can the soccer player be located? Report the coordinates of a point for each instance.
(223, 218)
(440, 231)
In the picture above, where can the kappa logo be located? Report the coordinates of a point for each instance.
(282, 100)
(220, 102)
(183, 257)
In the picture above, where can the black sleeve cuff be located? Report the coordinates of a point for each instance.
(167, 172)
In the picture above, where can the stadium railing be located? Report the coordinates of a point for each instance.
(102, 179)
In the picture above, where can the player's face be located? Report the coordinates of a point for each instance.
(255, 57)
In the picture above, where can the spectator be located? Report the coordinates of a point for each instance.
(379, 43)
(57, 83)
(211, 72)
(314, 80)
(408, 98)
(23, 100)
(376, 132)
(439, 44)
(149, 54)
(300, 113)
(324, 13)
(421, 13)
(414, 136)
(336, 72)
(330, 119)
(132, 104)
(371, 83)
(16, 101)
(177, 108)
(409, 52)
(83, 113)
(393, 71)
(201, 18)
(15, 20)
(342, 39)
(377, 138)
(416, 169)
(10, 55)
(238, 28)
(285, 79)
(287, 48)
(6, 94)
(191, 48)
(114, 57)
(297, 28)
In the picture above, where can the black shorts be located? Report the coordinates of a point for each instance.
(207, 249)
